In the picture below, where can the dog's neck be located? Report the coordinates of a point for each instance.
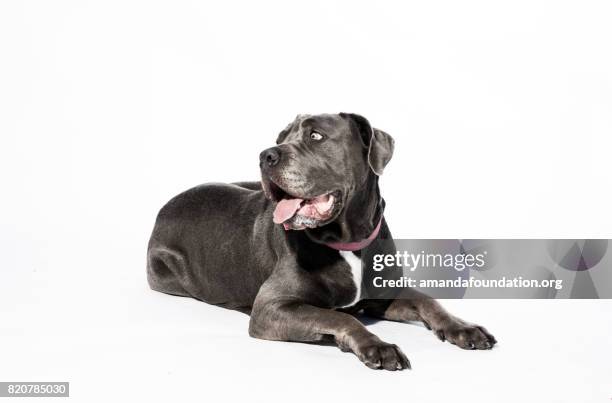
(359, 221)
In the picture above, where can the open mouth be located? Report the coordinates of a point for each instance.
(298, 213)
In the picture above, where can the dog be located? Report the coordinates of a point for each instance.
(288, 250)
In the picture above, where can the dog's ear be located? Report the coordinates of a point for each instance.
(381, 150)
(287, 130)
(380, 144)
(283, 134)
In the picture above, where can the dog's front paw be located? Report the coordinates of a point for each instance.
(466, 335)
(381, 355)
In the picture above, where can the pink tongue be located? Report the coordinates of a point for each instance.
(285, 209)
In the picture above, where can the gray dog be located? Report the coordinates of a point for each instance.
(288, 250)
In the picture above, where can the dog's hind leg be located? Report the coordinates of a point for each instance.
(165, 268)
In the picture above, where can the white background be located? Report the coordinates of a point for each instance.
(502, 118)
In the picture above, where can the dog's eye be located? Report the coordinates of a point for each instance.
(316, 136)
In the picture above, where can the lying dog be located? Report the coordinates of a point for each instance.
(288, 250)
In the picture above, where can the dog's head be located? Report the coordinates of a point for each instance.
(319, 164)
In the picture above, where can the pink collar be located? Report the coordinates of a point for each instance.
(353, 246)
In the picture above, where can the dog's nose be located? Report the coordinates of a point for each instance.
(271, 156)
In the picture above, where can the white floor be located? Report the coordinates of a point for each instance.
(117, 338)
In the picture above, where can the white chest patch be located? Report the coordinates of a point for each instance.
(355, 264)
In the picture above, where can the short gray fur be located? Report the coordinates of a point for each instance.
(218, 243)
